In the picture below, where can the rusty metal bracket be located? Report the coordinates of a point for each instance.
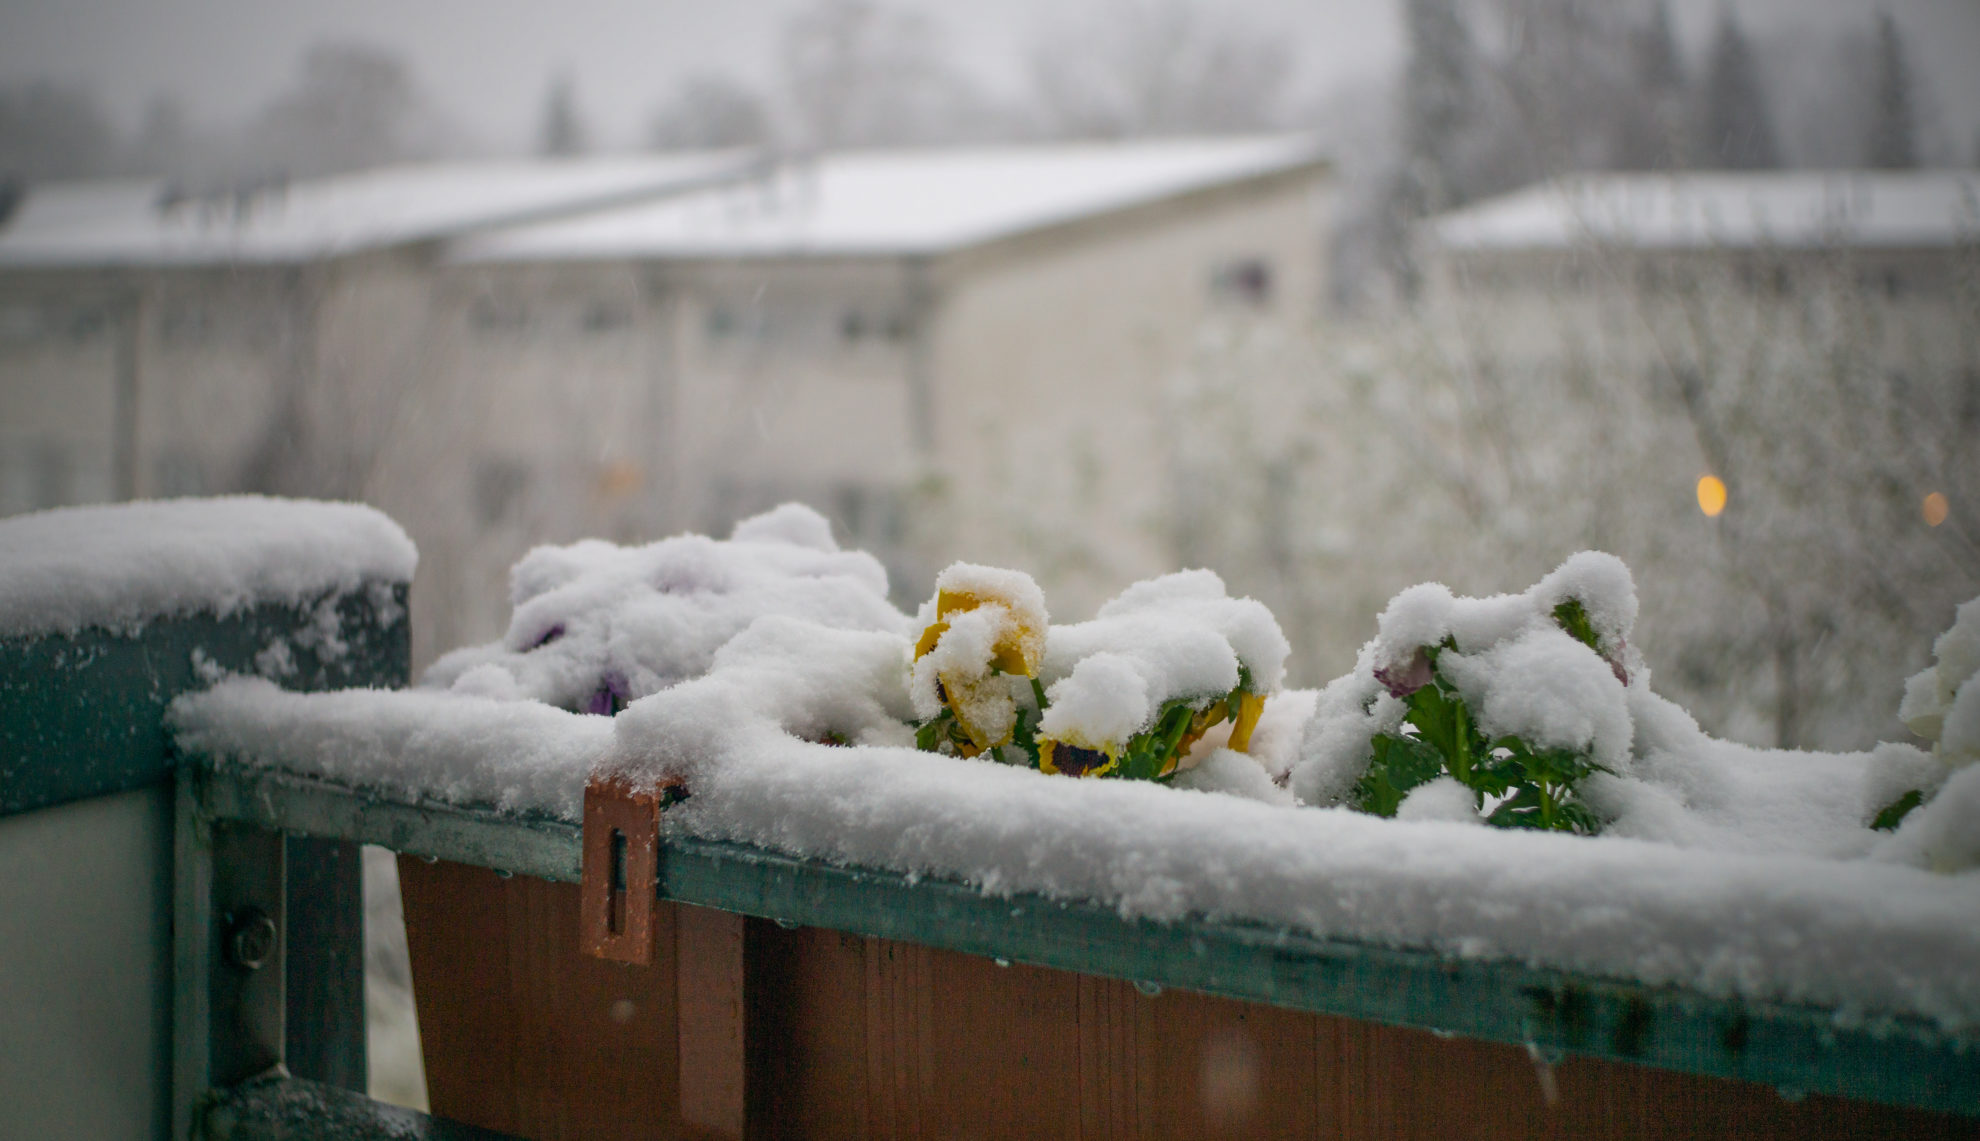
(621, 867)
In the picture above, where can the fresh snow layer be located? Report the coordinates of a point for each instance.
(926, 200)
(1517, 671)
(1722, 210)
(119, 566)
(521, 756)
(597, 625)
(1179, 636)
(1869, 938)
(1728, 869)
(139, 222)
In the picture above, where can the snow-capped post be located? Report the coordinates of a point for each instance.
(621, 867)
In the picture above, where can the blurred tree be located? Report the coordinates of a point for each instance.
(48, 131)
(1735, 126)
(1892, 144)
(1653, 132)
(1567, 90)
(163, 144)
(1515, 418)
(1156, 68)
(1440, 97)
(354, 105)
(1440, 103)
(860, 73)
(561, 132)
(709, 111)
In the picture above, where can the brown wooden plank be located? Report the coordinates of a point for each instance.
(1002, 1049)
(522, 1032)
(1106, 1061)
(1406, 1085)
(848, 1037)
(807, 1031)
(876, 996)
(709, 970)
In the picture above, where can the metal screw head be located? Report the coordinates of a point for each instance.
(251, 939)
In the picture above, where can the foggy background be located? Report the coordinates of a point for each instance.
(1423, 107)
(1426, 421)
(213, 93)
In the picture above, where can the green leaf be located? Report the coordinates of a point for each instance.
(1573, 617)
(1894, 813)
(1025, 735)
(1148, 752)
(1399, 764)
(929, 735)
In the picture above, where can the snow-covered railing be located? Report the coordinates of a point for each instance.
(1742, 916)
(1797, 1048)
(809, 806)
(106, 615)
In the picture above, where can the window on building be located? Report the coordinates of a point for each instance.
(187, 322)
(490, 314)
(604, 317)
(1245, 282)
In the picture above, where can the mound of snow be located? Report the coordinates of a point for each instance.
(596, 625)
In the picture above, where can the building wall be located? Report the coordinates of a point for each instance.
(1004, 404)
(214, 352)
(1051, 363)
(792, 379)
(58, 400)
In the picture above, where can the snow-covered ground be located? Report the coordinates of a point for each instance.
(770, 673)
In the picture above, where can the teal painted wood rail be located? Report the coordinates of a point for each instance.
(1797, 1049)
(82, 718)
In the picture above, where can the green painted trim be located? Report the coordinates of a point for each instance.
(281, 1109)
(84, 715)
(1797, 1049)
(544, 848)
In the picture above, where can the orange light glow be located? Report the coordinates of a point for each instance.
(619, 478)
(1935, 509)
(1711, 495)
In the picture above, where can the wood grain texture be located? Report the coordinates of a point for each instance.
(844, 1036)
(523, 1033)
(712, 1033)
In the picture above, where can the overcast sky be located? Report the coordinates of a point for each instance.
(486, 62)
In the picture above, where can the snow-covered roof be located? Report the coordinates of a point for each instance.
(898, 202)
(1799, 209)
(146, 222)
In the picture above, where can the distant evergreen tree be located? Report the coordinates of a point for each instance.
(1439, 91)
(353, 105)
(562, 133)
(50, 131)
(1653, 133)
(709, 111)
(1735, 127)
(1893, 128)
(1439, 83)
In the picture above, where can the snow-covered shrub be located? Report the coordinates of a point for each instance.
(597, 626)
(1940, 703)
(1936, 807)
(1127, 694)
(1516, 699)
